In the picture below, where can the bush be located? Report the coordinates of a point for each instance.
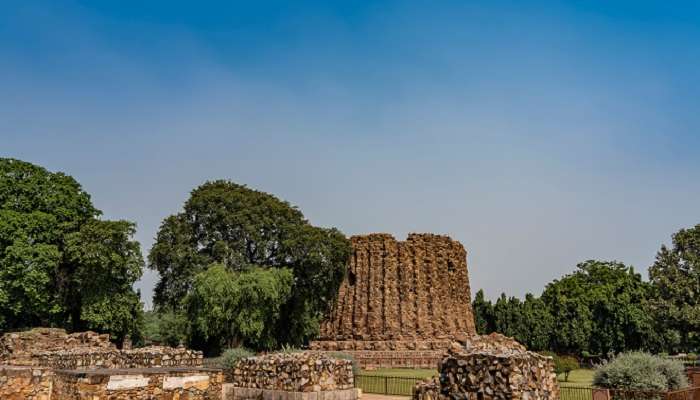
(231, 356)
(346, 356)
(641, 371)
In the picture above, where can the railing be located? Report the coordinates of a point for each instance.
(618, 394)
(692, 393)
(575, 392)
(390, 385)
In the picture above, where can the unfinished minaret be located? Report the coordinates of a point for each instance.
(402, 303)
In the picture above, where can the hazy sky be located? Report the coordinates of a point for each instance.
(539, 135)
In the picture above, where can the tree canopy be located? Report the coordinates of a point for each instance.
(235, 252)
(59, 264)
(600, 308)
(675, 276)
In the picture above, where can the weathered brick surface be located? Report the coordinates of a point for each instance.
(405, 296)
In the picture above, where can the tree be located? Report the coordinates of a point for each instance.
(165, 328)
(675, 279)
(564, 365)
(538, 323)
(59, 264)
(247, 234)
(239, 307)
(600, 308)
(484, 318)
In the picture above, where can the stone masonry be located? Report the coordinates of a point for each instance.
(49, 364)
(292, 376)
(491, 367)
(138, 384)
(410, 299)
(54, 348)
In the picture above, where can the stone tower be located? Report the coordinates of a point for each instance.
(402, 303)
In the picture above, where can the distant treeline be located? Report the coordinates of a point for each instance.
(605, 307)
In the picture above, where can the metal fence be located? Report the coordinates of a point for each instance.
(390, 385)
(575, 392)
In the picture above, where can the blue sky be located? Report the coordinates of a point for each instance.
(539, 134)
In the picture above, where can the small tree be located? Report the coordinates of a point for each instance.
(564, 365)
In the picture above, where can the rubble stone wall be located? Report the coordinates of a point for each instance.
(294, 372)
(427, 359)
(54, 348)
(492, 367)
(138, 384)
(20, 346)
(146, 357)
(415, 289)
(25, 383)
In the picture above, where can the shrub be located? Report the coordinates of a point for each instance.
(288, 349)
(346, 356)
(231, 356)
(641, 371)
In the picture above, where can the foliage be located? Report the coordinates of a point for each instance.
(599, 308)
(675, 277)
(59, 264)
(564, 365)
(230, 356)
(483, 314)
(289, 349)
(239, 307)
(345, 356)
(641, 371)
(165, 327)
(245, 235)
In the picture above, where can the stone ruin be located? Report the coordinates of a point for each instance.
(54, 348)
(491, 367)
(49, 364)
(46, 364)
(402, 303)
(292, 376)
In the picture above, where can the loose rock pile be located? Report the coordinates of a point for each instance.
(294, 372)
(491, 367)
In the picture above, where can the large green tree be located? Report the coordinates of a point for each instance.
(675, 278)
(600, 308)
(59, 264)
(243, 237)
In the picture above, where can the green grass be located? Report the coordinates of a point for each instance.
(578, 377)
(373, 381)
(401, 372)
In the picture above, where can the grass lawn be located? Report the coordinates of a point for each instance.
(373, 381)
(578, 377)
(401, 372)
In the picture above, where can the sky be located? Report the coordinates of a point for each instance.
(539, 134)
